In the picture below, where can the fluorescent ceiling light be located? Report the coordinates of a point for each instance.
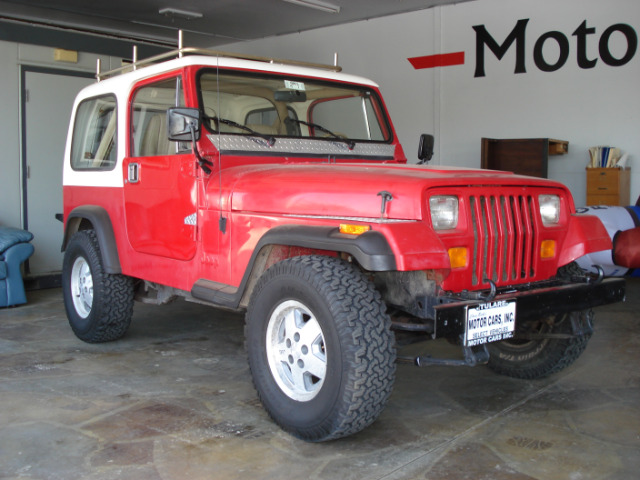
(177, 13)
(317, 4)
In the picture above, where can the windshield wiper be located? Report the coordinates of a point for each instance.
(350, 143)
(270, 139)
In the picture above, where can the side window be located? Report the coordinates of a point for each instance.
(94, 144)
(149, 118)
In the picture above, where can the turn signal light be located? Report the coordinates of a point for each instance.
(352, 229)
(548, 249)
(458, 257)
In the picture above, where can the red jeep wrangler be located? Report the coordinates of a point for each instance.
(280, 188)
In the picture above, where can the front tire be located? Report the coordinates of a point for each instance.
(538, 358)
(99, 305)
(320, 347)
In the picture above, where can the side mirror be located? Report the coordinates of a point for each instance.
(183, 123)
(425, 147)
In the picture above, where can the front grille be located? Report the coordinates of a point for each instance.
(504, 238)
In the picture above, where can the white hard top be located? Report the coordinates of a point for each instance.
(121, 84)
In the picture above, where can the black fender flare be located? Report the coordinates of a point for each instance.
(370, 249)
(101, 224)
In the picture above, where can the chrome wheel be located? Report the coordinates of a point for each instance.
(296, 351)
(81, 287)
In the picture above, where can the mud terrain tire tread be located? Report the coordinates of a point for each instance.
(113, 294)
(540, 358)
(363, 381)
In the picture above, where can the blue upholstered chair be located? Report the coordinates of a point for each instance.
(14, 249)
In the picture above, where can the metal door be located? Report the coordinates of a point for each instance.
(47, 98)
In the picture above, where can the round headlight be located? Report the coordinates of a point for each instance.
(549, 209)
(444, 211)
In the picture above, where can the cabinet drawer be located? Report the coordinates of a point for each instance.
(608, 186)
(603, 180)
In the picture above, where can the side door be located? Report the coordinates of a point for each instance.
(160, 188)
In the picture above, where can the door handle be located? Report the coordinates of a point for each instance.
(133, 173)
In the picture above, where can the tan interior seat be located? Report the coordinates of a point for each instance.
(155, 140)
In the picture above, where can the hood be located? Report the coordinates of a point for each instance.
(351, 190)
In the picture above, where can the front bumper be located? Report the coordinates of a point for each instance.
(536, 302)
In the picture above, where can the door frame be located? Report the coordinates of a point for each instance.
(47, 280)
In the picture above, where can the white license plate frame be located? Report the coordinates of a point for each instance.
(489, 322)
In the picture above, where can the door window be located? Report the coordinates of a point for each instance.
(149, 122)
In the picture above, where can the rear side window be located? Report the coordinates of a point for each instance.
(94, 143)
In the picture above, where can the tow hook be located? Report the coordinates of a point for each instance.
(600, 276)
(492, 293)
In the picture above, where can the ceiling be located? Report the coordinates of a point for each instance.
(220, 21)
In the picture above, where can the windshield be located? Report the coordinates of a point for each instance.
(271, 106)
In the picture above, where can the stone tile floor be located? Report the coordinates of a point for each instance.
(174, 400)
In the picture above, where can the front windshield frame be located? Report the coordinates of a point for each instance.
(294, 119)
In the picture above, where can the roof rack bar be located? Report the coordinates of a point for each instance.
(200, 51)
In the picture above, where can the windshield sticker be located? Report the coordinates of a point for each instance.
(294, 85)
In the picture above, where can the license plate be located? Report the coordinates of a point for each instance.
(490, 322)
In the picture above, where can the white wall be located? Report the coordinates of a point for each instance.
(587, 107)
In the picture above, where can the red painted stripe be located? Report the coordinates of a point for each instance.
(441, 60)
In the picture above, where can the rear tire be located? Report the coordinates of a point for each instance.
(320, 347)
(99, 305)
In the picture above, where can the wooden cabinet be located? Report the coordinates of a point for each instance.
(608, 186)
(524, 156)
